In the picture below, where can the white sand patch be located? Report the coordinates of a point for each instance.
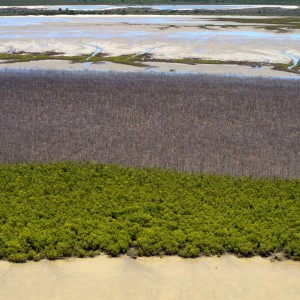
(173, 278)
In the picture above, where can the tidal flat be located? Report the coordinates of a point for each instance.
(266, 42)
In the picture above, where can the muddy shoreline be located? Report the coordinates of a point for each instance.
(153, 67)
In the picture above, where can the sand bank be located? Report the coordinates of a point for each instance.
(173, 278)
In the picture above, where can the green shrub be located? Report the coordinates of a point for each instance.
(82, 209)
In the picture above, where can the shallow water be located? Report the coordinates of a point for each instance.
(241, 34)
(294, 58)
(97, 51)
(157, 7)
(8, 21)
(73, 27)
(225, 277)
(29, 20)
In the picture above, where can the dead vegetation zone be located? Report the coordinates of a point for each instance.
(191, 123)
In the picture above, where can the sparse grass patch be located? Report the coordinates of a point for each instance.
(137, 60)
(28, 56)
(131, 59)
(285, 67)
(195, 61)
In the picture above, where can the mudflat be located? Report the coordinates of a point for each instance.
(163, 37)
(101, 277)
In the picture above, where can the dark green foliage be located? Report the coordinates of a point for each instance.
(81, 209)
(258, 11)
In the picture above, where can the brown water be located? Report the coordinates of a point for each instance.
(225, 277)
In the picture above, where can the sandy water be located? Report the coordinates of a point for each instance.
(226, 277)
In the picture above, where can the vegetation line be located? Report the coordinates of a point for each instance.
(138, 60)
(82, 209)
(280, 12)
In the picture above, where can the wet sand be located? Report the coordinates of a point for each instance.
(227, 277)
(162, 36)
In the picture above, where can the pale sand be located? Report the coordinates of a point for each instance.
(62, 65)
(162, 36)
(156, 278)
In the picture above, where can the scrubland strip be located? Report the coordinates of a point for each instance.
(81, 209)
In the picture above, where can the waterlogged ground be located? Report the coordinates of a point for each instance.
(225, 277)
(168, 37)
